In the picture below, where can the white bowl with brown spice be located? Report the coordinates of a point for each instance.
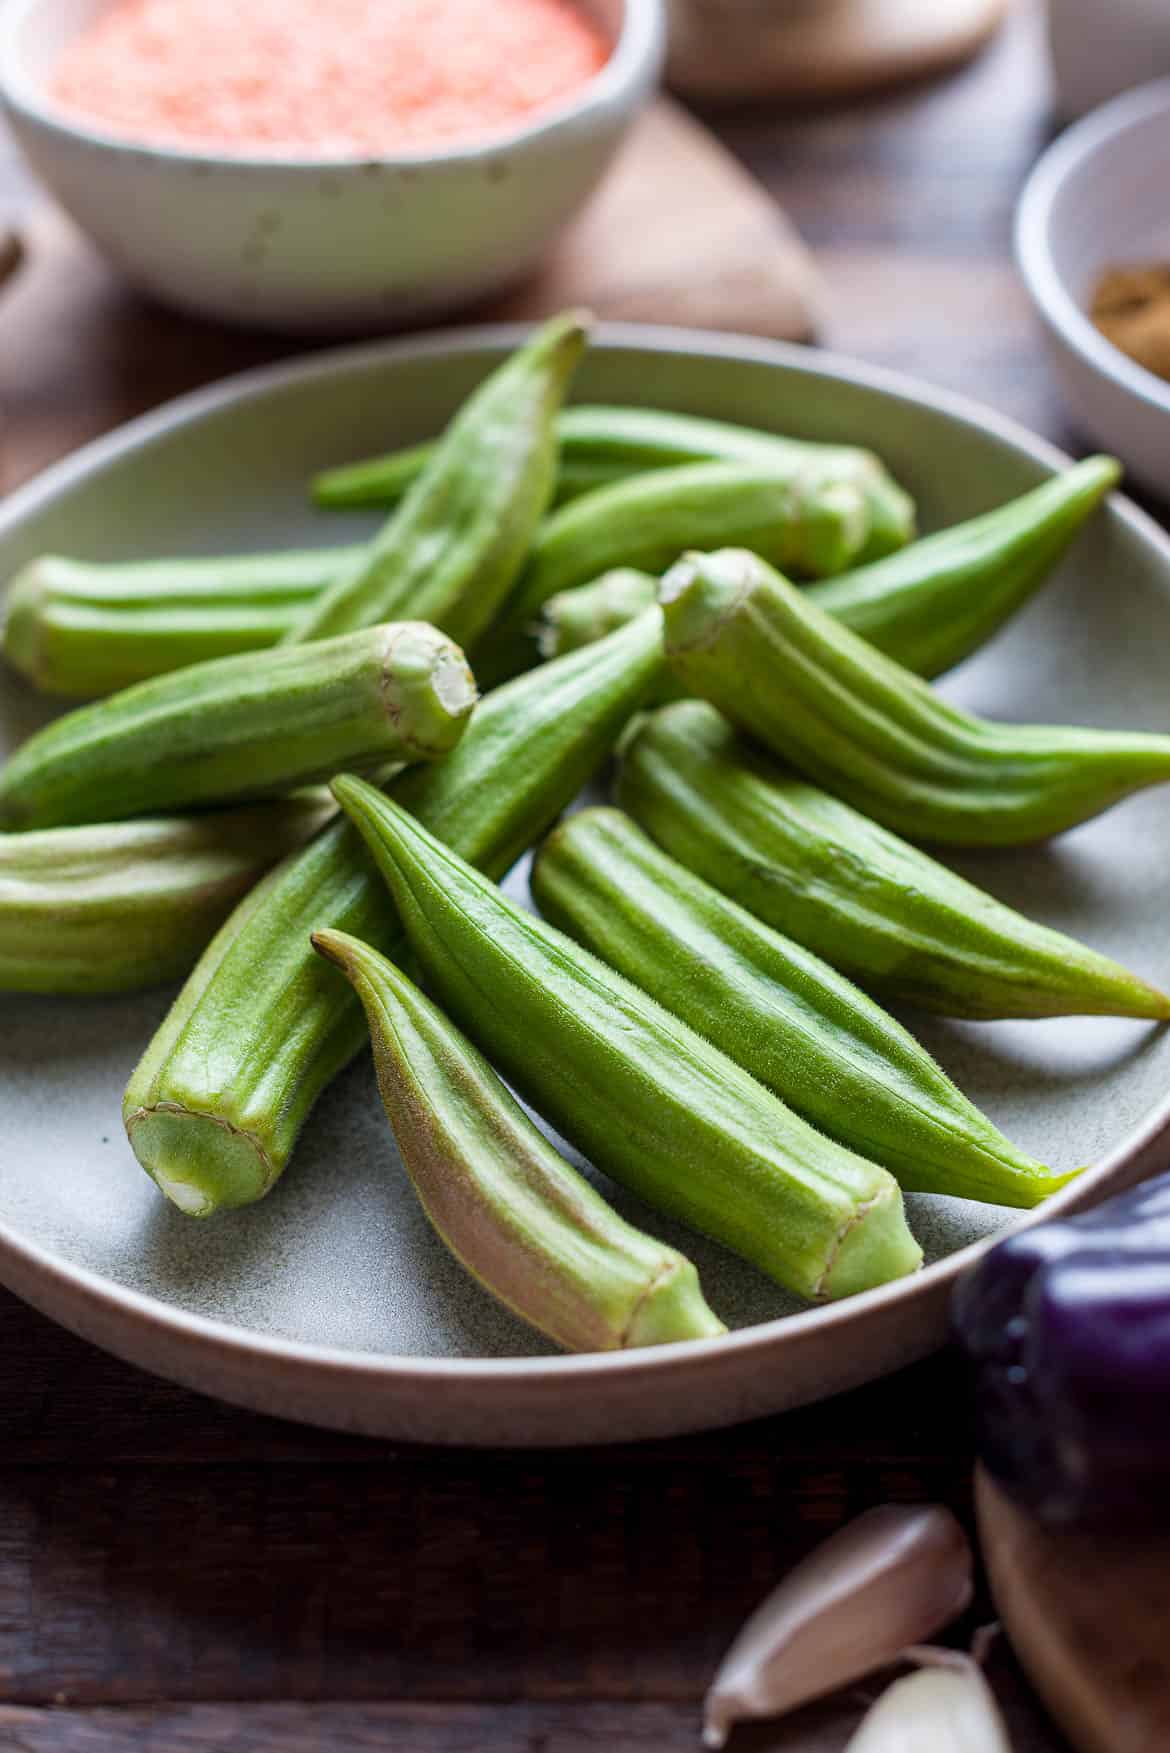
(1098, 202)
(322, 241)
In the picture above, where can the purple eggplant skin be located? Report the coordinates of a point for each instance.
(1067, 1326)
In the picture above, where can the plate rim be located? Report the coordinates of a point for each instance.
(23, 1261)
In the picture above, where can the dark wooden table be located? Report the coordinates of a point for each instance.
(178, 1575)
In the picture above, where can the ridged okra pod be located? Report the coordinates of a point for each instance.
(877, 908)
(576, 618)
(534, 1232)
(262, 1026)
(929, 605)
(648, 1100)
(781, 1012)
(451, 551)
(599, 446)
(127, 905)
(242, 727)
(873, 733)
(798, 521)
(83, 629)
(935, 602)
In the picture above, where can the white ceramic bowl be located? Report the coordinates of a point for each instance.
(323, 245)
(1101, 194)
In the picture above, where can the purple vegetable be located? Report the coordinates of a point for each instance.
(1068, 1327)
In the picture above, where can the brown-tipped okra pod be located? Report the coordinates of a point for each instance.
(244, 727)
(873, 733)
(531, 1229)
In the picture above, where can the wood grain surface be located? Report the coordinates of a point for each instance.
(178, 1575)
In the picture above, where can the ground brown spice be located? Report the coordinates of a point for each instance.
(1131, 307)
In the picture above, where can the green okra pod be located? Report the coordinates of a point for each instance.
(532, 1230)
(384, 481)
(575, 618)
(934, 603)
(241, 727)
(929, 605)
(648, 1100)
(873, 733)
(126, 905)
(82, 629)
(781, 1012)
(797, 520)
(375, 482)
(600, 446)
(451, 551)
(870, 904)
(217, 1102)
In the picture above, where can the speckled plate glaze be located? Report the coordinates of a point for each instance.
(331, 1301)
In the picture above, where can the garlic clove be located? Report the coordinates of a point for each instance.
(893, 1577)
(944, 1708)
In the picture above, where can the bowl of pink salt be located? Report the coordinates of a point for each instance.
(324, 166)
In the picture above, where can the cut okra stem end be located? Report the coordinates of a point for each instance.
(702, 591)
(672, 1309)
(874, 1247)
(427, 688)
(201, 1164)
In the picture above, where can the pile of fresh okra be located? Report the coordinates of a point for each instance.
(696, 1005)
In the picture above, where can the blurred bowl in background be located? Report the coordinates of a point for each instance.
(1101, 48)
(323, 245)
(806, 51)
(1099, 197)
